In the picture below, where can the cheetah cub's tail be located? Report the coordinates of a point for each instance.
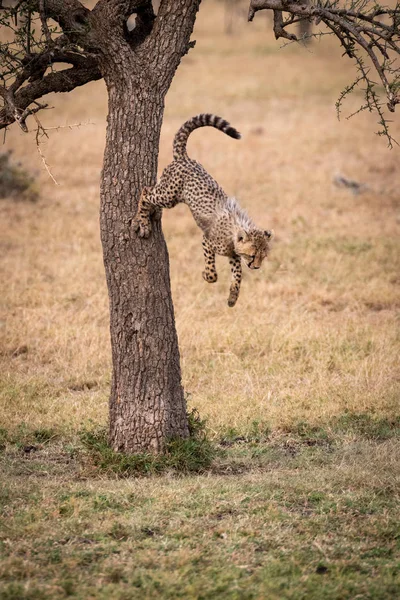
(204, 120)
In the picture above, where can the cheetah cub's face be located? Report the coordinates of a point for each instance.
(253, 246)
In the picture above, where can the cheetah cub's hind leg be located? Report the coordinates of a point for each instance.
(154, 199)
(210, 273)
(141, 222)
(236, 268)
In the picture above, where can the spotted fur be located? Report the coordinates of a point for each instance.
(227, 229)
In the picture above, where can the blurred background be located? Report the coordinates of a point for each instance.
(315, 333)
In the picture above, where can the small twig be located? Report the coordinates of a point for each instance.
(41, 130)
(347, 90)
(46, 165)
(71, 126)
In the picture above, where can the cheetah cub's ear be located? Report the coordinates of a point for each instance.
(242, 236)
(269, 234)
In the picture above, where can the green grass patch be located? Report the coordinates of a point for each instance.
(367, 426)
(310, 512)
(360, 425)
(254, 432)
(26, 438)
(192, 455)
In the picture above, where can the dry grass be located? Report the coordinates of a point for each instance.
(314, 333)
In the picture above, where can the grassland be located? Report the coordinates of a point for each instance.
(299, 383)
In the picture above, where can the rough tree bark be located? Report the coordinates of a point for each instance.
(147, 404)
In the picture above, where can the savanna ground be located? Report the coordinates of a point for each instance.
(299, 383)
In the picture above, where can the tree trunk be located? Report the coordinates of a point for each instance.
(147, 404)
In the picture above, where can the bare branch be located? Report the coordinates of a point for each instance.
(59, 81)
(29, 56)
(279, 29)
(19, 115)
(71, 15)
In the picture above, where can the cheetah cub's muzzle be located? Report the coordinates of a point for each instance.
(253, 246)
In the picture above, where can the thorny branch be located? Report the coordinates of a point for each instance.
(40, 132)
(45, 36)
(33, 63)
(367, 32)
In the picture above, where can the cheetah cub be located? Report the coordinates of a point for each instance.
(227, 229)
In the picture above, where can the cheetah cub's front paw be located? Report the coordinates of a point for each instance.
(210, 277)
(143, 228)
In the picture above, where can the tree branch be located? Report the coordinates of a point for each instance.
(29, 56)
(59, 81)
(359, 30)
(174, 16)
(279, 30)
(71, 15)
